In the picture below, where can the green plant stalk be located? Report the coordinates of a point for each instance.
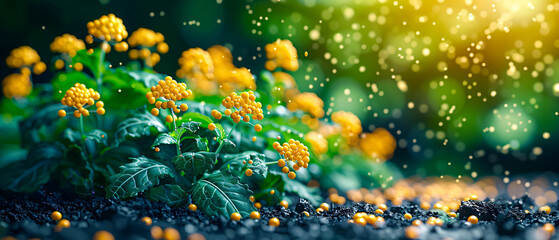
(271, 163)
(226, 137)
(87, 162)
(175, 129)
(100, 78)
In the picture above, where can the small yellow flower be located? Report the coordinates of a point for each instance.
(350, 124)
(67, 43)
(241, 107)
(281, 53)
(196, 65)
(309, 103)
(229, 77)
(81, 98)
(148, 41)
(108, 28)
(318, 142)
(17, 85)
(25, 57)
(170, 91)
(293, 151)
(379, 144)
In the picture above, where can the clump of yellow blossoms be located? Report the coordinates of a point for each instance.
(196, 65)
(81, 98)
(17, 85)
(146, 39)
(293, 151)
(318, 142)
(68, 44)
(241, 107)
(350, 124)
(108, 28)
(229, 77)
(289, 89)
(26, 57)
(281, 53)
(170, 91)
(309, 103)
(378, 145)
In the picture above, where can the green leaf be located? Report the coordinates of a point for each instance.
(204, 121)
(303, 191)
(90, 61)
(170, 194)
(97, 136)
(27, 175)
(235, 163)
(194, 164)
(137, 126)
(229, 145)
(138, 176)
(221, 193)
(148, 79)
(30, 127)
(164, 138)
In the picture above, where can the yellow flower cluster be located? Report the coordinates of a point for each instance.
(16, 85)
(229, 77)
(67, 43)
(170, 91)
(281, 53)
(197, 66)
(26, 57)
(293, 151)
(243, 106)
(146, 39)
(81, 98)
(213, 70)
(378, 145)
(318, 142)
(350, 124)
(309, 103)
(108, 28)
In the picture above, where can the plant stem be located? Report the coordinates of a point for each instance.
(226, 137)
(99, 67)
(175, 129)
(81, 126)
(84, 146)
(271, 163)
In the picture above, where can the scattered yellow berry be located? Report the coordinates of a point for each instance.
(147, 221)
(254, 215)
(61, 113)
(407, 216)
(274, 222)
(412, 232)
(169, 119)
(252, 199)
(192, 207)
(549, 228)
(425, 205)
(248, 172)
(184, 107)
(64, 223)
(284, 204)
(306, 213)
(103, 235)
(452, 215)
(319, 210)
(100, 111)
(472, 219)
(155, 112)
(416, 222)
(171, 234)
(258, 205)
(291, 175)
(325, 206)
(157, 149)
(258, 127)
(235, 216)
(211, 127)
(156, 232)
(254, 139)
(545, 209)
(56, 215)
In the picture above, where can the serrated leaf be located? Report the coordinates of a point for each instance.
(97, 136)
(137, 126)
(221, 193)
(194, 164)
(27, 175)
(137, 176)
(187, 128)
(229, 145)
(235, 163)
(164, 138)
(204, 121)
(170, 194)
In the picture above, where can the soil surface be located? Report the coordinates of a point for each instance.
(25, 216)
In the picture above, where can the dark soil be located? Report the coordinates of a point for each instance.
(28, 216)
